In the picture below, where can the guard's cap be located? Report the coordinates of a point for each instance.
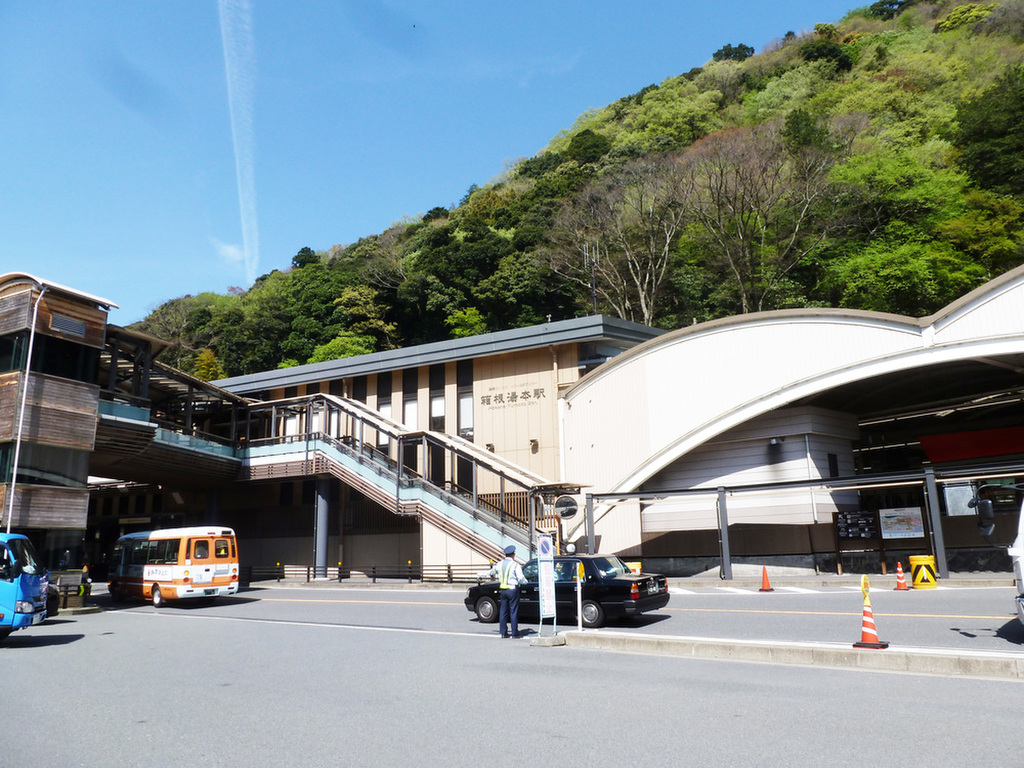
(510, 550)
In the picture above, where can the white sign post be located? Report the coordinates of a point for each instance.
(579, 596)
(546, 574)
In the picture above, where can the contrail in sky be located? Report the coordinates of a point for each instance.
(240, 68)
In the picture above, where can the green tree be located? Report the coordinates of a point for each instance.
(729, 52)
(345, 344)
(588, 147)
(207, 367)
(908, 278)
(466, 322)
(303, 257)
(964, 15)
(990, 137)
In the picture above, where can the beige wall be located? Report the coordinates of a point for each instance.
(516, 401)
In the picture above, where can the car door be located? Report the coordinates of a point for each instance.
(565, 588)
(529, 592)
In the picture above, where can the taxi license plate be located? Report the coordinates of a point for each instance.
(652, 587)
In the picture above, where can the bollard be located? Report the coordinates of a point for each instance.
(922, 568)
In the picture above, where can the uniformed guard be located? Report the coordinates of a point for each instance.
(510, 576)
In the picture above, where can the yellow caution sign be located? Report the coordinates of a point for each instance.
(922, 569)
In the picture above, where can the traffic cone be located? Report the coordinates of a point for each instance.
(868, 633)
(765, 584)
(901, 581)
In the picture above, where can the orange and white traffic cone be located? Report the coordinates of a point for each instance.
(765, 584)
(868, 632)
(901, 581)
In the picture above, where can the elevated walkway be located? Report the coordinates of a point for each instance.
(472, 496)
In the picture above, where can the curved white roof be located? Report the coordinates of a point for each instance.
(645, 408)
(25, 277)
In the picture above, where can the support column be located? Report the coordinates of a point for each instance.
(723, 537)
(320, 529)
(935, 521)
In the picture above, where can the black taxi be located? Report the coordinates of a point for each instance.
(610, 591)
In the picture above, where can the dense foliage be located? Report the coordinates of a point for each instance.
(875, 164)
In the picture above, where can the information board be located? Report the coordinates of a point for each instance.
(856, 525)
(902, 523)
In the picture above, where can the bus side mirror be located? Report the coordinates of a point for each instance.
(986, 516)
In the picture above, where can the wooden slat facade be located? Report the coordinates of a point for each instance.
(59, 316)
(46, 506)
(58, 411)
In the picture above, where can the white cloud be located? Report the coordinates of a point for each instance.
(233, 254)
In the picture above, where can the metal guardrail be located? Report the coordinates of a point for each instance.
(479, 478)
(449, 573)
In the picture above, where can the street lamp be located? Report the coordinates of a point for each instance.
(21, 408)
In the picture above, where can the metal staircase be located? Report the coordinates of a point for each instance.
(472, 495)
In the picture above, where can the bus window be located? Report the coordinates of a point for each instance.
(220, 547)
(202, 549)
(139, 553)
(171, 555)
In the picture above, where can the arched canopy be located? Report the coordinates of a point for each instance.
(653, 404)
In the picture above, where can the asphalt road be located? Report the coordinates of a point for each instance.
(330, 677)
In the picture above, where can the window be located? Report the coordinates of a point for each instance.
(202, 549)
(220, 547)
(466, 414)
(437, 412)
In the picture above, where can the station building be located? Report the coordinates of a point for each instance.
(825, 435)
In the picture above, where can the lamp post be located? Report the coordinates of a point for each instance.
(21, 411)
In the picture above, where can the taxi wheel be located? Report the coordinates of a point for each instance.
(486, 610)
(158, 599)
(593, 614)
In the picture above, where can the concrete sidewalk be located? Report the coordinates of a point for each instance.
(918, 661)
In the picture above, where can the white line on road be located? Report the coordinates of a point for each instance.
(323, 624)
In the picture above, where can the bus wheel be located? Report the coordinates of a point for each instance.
(4, 633)
(115, 594)
(158, 599)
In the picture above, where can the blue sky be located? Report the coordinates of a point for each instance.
(157, 149)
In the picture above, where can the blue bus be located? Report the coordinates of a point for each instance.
(23, 584)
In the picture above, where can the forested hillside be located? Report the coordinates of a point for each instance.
(877, 163)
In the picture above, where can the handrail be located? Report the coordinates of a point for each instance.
(488, 482)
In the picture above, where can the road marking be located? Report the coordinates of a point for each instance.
(351, 602)
(320, 624)
(839, 613)
(801, 590)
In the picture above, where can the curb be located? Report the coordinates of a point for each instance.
(918, 661)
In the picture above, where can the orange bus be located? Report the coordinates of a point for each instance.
(175, 563)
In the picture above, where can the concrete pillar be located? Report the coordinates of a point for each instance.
(320, 531)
